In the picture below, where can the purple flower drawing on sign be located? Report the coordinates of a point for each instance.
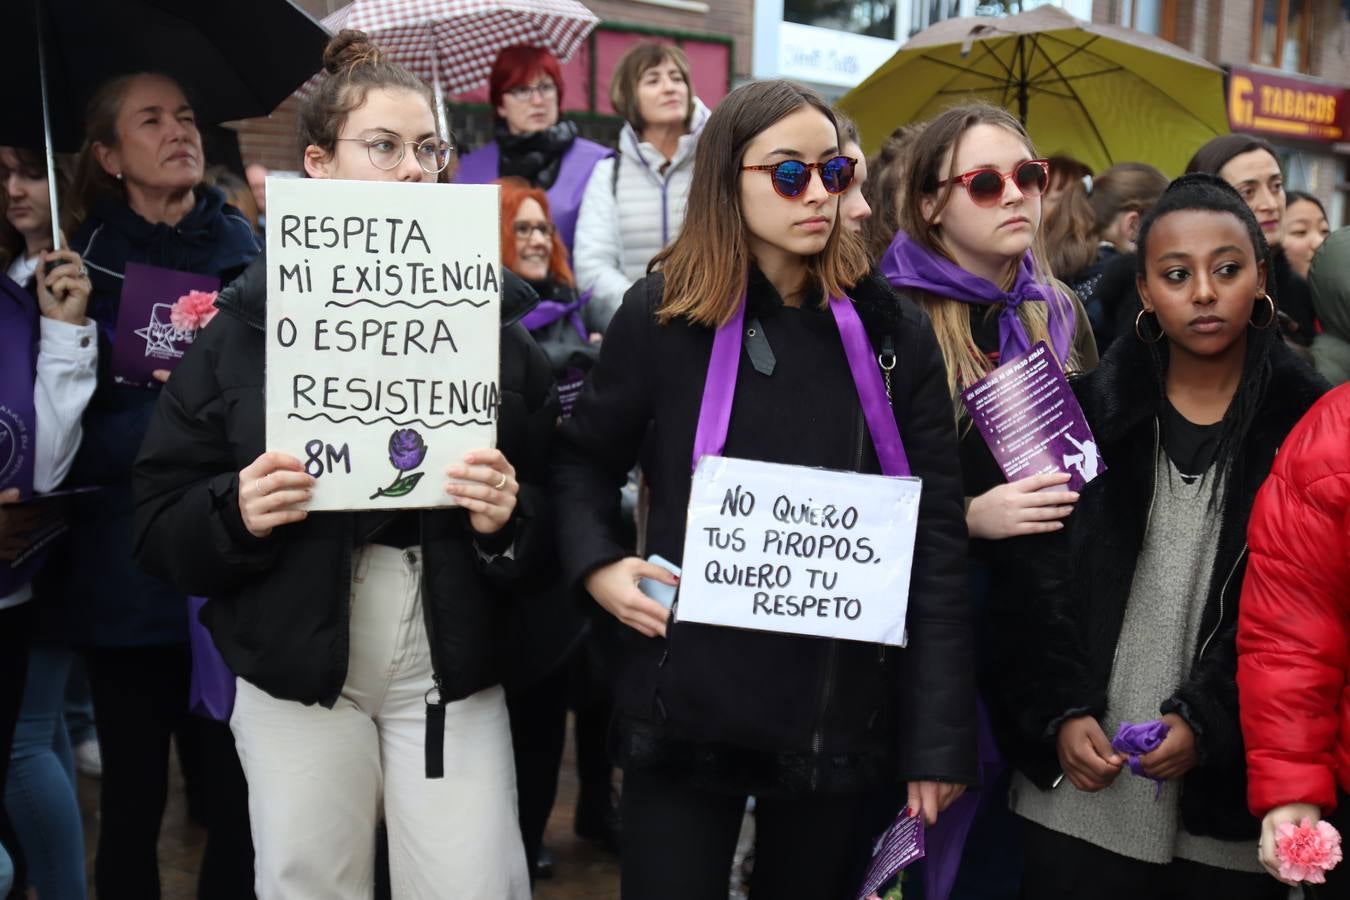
(406, 452)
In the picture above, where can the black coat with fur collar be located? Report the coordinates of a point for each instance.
(1064, 618)
(756, 711)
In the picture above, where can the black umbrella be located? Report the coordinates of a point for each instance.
(235, 59)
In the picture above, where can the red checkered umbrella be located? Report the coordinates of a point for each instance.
(454, 42)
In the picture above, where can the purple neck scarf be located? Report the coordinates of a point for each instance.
(550, 311)
(907, 264)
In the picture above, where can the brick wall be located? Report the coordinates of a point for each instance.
(1331, 42)
(272, 141)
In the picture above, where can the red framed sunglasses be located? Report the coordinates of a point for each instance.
(791, 176)
(985, 185)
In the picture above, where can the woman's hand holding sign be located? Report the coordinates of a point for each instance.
(272, 491)
(615, 587)
(486, 487)
(1021, 507)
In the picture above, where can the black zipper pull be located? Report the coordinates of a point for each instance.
(435, 741)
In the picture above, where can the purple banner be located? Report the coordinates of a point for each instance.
(18, 370)
(146, 338)
(1029, 417)
(901, 845)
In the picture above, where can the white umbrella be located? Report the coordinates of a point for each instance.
(453, 43)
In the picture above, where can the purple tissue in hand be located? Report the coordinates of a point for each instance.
(1137, 739)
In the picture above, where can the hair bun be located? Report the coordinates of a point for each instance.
(349, 49)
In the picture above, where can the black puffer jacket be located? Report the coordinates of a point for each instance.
(1062, 619)
(278, 605)
(755, 711)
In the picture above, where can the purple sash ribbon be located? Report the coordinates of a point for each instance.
(550, 311)
(908, 264)
(1139, 739)
(719, 388)
(211, 690)
(946, 841)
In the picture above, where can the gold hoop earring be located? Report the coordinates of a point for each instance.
(1270, 322)
(1139, 330)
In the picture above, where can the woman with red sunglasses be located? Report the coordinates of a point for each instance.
(826, 734)
(967, 253)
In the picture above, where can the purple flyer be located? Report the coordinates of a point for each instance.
(147, 337)
(1031, 420)
(901, 845)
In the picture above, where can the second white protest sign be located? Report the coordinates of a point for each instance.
(383, 326)
(799, 550)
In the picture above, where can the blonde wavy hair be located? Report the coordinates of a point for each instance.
(951, 318)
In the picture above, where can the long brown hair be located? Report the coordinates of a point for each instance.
(32, 165)
(884, 190)
(951, 319)
(1125, 187)
(1069, 232)
(706, 266)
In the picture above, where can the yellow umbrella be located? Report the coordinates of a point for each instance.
(1101, 94)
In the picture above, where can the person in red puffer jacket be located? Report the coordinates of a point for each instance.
(1294, 628)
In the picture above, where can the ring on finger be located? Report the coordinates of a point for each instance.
(258, 488)
(501, 484)
(83, 273)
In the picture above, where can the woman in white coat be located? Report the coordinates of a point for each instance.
(634, 202)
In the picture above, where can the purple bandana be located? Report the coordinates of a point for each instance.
(906, 264)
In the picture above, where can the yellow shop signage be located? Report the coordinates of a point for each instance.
(1262, 103)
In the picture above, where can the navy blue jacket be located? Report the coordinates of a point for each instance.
(91, 583)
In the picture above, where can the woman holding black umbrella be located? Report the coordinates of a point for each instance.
(139, 186)
(48, 361)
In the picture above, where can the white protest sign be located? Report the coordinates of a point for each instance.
(792, 549)
(383, 330)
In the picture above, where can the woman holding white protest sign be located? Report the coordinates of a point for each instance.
(367, 644)
(823, 732)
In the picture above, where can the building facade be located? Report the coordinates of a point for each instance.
(1287, 62)
(715, 35)
(1287, 65)
(834, 44)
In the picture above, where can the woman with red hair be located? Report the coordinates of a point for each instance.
(532, 247)
(531, 140)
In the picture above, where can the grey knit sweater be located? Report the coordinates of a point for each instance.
(1157, 644)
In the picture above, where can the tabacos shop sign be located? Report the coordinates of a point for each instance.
(1291, 108)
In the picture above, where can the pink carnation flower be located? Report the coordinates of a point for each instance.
(1307, 851)
(193, 310)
